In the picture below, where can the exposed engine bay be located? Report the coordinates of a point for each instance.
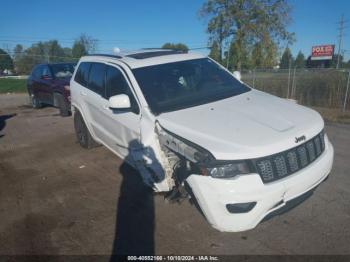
(183, 161)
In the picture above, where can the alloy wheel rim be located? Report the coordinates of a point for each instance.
(33, 100)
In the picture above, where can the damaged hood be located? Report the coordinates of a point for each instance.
(249, 125)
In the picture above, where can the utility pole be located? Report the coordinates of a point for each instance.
(346, 93)
(292, 93)
(289, 68)
(341, 35)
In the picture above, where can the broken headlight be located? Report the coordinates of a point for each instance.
(187, 149)
(227, 170)
(202, 158)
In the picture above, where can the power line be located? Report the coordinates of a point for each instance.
(12, 52)
(24, 53)
(23, 39)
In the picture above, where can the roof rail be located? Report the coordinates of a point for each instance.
(156, 48)
(155, 53)
(151, 48)
(165, 49)
(106, 55)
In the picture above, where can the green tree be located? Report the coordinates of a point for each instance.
(264, 54)
(84, 45)
(178, 46)
(18, 54)
(300, 60)
(218, 26)
(6, 61)
(54, 51)
(257, 56)
(215, 52)
(248, 23)
(78, 50)
(18, 50)
(287, 59)
(26, 59)
(237, 53)
(67, 52)
(41, 52)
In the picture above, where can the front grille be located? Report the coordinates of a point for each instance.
(283, 164)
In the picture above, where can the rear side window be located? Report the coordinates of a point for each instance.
(115, 82)
(37, 72)
(82, 74)
(46, 71)
(96, 78)
(62, 70)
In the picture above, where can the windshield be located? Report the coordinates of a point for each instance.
(179, 85)
(63, 70)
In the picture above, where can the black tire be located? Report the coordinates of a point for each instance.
(62, 105)
(82, 132)
(35, 102)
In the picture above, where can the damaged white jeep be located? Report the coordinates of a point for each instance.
(190, 127)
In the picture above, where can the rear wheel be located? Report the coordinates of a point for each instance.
(62, 105)
(35, 102)
(82, 132)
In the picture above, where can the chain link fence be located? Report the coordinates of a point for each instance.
(322, 88)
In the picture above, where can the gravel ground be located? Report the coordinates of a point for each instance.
(57, 198)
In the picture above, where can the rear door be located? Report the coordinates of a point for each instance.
(92, 97)
(34, 82)
(79, 88)
(45, 84)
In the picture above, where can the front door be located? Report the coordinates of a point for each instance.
(118, 130)
(121, 127)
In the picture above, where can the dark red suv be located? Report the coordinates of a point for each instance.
(49, 84)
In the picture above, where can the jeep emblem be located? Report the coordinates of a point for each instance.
(300, 138)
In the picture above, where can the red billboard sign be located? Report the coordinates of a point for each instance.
(322, 52)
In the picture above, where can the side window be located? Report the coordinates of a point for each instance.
(115, 83)
(82, 74)
(34, 72)
(97, 77)
(37, 72)
(45, 71)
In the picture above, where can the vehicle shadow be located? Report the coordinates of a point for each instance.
(3, 119)
(135, 225)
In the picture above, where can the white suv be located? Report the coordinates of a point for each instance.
(184, 121)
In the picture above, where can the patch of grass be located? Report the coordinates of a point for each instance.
(334, 115)
(10, 85)
(320, 88)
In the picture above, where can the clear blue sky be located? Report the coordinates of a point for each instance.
(135, 24)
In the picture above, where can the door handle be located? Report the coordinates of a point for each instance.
(83, 93)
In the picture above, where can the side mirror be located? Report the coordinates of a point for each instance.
(121, 101)
(237, 75)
